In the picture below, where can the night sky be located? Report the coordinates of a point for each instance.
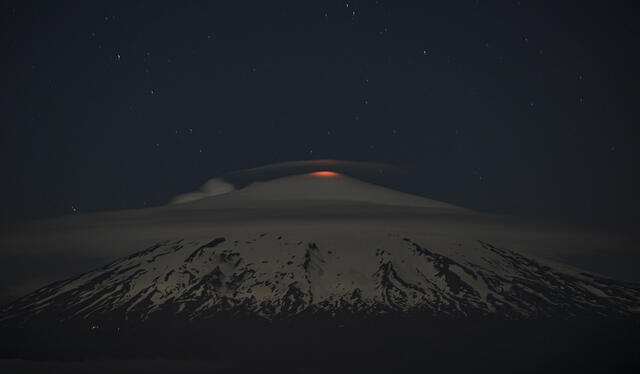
(518, 107)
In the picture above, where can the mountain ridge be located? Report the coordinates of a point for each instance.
(271, 277)
(317, 187)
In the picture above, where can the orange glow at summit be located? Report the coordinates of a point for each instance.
(325, 174)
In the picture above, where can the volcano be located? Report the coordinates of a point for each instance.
(319, 252)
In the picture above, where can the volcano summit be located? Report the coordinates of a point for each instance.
(310, 258)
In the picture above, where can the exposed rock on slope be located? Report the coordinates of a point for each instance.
(269, 276)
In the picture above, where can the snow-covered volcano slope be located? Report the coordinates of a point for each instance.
(314, 208)
(274, 274)
(308, 244)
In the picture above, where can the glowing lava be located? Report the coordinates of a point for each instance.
(325, 174)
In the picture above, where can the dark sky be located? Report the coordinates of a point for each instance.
(518, 107)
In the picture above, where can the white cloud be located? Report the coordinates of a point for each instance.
(212, 187)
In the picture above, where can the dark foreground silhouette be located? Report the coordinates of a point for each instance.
(391, 343)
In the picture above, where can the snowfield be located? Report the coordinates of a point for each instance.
(343, 246)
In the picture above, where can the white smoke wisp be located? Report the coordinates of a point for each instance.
(212, 187)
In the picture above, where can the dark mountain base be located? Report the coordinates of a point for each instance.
(377, 344)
